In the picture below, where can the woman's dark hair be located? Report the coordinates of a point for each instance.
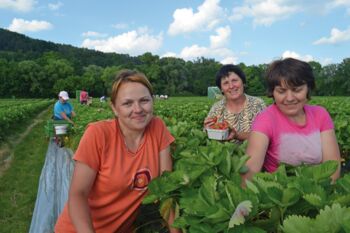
(225, 71)
(292, 71)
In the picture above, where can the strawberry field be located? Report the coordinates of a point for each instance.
(205, 186)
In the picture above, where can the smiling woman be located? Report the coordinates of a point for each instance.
(116, 160)
(236, 108)
(290, 131)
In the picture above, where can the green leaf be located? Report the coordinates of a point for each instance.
(344, 183)
(314, 200)
(318, 172)
(208, 189)
(343, 200)
(251, 186)
(150, 198)
(242, 161)
(331, 218)
(220, 215)
(298, 224)
(283, 197)
(226, 165)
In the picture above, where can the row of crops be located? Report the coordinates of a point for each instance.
(13, 112)
(205, 186)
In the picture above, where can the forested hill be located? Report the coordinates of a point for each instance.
(19, 47)
(35, 68)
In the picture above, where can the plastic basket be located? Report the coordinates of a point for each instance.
(51, 124)
(218, 134)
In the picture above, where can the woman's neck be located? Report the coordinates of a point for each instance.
(299, 119)
(132, 138)
(236, 105)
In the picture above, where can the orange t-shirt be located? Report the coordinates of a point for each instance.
(122, 176)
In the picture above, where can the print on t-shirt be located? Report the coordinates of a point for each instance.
(141, 179)
(296, 149)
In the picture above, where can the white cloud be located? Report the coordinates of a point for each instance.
(195, 51)
(295, 55)
(169, 54)
(18, 5)
(132, 42)
(229, 60)
(55, 6)
(336, 37)
(339, 3)
(21, 25)
(185, 20)
(93, 34)
(216, 49)
(222, 37)
(265, 12)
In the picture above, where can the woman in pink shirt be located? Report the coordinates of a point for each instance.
(291, 131)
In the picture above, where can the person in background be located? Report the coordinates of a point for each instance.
(63, 110)
(291, 131)
(84, 96)
(116, 160)
(236, 108)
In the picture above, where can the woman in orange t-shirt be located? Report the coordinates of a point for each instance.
(115, 161)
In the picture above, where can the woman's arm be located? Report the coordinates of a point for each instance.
(78, 208)
(65, 117)
(330, 149)
(256, 149)
(166, 164)
(237, 135)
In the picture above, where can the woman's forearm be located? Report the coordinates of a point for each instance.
(171, 220)
(79, 212)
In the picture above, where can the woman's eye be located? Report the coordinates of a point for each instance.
(127, 104)
(145, 100)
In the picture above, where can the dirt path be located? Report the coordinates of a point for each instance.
(7, 148)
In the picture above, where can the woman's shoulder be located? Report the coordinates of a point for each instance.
(103, 125)
(315, 109)
(268, 112)
(254, 99)
(219, 104)
(156, 122)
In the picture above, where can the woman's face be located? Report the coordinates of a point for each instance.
(133, 106)
(290, 100)
(232, 86)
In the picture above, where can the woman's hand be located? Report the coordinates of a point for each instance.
(209, 121)
(232, 135)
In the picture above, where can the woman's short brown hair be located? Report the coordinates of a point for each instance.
(129, 76)
(292, 71)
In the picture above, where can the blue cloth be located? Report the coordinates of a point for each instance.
(62, 107)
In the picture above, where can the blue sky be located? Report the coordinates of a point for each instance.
(248, 31)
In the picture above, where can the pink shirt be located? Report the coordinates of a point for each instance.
(291, 143)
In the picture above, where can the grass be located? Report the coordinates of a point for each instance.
(18, 184)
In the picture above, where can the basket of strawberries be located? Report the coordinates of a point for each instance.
(218, 129)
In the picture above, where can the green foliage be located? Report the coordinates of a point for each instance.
(30, 68)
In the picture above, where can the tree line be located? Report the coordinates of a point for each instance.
(32, 68)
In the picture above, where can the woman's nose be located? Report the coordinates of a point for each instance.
(137, 107)
(289, 95)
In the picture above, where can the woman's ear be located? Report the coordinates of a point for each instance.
(114, 110)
